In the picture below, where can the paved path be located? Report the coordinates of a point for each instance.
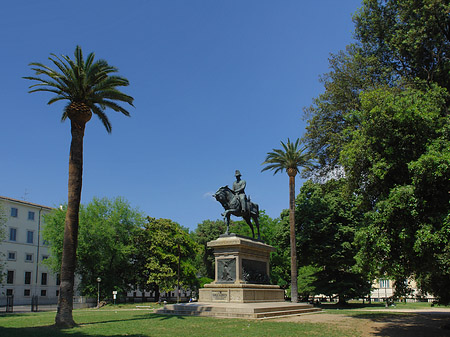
(428, 311)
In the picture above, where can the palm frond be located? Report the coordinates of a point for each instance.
(115, 107)
(113, 94)
(103, 118)
(290, 156)
(56, 99)
(88, 81)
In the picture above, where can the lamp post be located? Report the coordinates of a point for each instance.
(98, 291)
(178, 283)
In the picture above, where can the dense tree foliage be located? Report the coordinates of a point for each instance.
(105, 248)
(280, 260)
(399, 162)
(383, 124)
(326, 222)
(410, 38)
(307, 282)
(161, 245)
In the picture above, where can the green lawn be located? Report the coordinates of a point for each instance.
(126, 322)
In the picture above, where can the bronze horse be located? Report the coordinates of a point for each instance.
(232, 206)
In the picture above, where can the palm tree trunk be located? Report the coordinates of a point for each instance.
(64, 316)
(294, 289)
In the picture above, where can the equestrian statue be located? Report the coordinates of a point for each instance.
(236, 203)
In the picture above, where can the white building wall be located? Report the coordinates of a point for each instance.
(23, 251)
(382, 289)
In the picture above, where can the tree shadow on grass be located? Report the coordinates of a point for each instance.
(407, 325)
(9, 314)
(48, 331)
(52, 331)
(139, 318)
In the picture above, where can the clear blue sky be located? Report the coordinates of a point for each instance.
(217, 84)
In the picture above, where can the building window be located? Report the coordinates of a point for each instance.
(28, 257)
(45, 243)
(384, 283)
(30, 215)
(10, 277)
(58, 279)
(12, 256)
(26, 292)
(30, 236)
(44, 257)
(57, 293)
(12, 234)
(43, 292)
(14, 212)
(44, 279)
(9, 292)
(28, 277)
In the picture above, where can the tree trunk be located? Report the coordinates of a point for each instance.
(64, 316)
(294, 272)
(156, 293)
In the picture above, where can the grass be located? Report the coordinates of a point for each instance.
(107, 322)
(127, 320)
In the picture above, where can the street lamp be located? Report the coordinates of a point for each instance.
(98, 291)
(178, 283)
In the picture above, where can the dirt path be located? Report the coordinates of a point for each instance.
(408, 323)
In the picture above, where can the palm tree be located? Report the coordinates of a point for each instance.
(290, 158)
(88, 87)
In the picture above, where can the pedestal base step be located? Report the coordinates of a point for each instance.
(238, 310)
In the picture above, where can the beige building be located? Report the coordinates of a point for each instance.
(385, 288)
(382, 289)
(22, 252)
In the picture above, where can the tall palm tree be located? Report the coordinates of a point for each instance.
(289, 158)
(88, 87)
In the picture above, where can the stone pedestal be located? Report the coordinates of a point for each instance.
(242, 272)
(241, 287)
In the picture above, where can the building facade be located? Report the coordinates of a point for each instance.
(22, 252)
(383, 289)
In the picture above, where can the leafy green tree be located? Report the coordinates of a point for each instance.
(409, 37)
(383, 124)
(327, 220)
(307, 277)
(394, 127)
(399, 162)
(160, 245)
(105, 244)
(280, 260)
(290, 158)
(397, 42)
(89, 87)
(350, 72)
